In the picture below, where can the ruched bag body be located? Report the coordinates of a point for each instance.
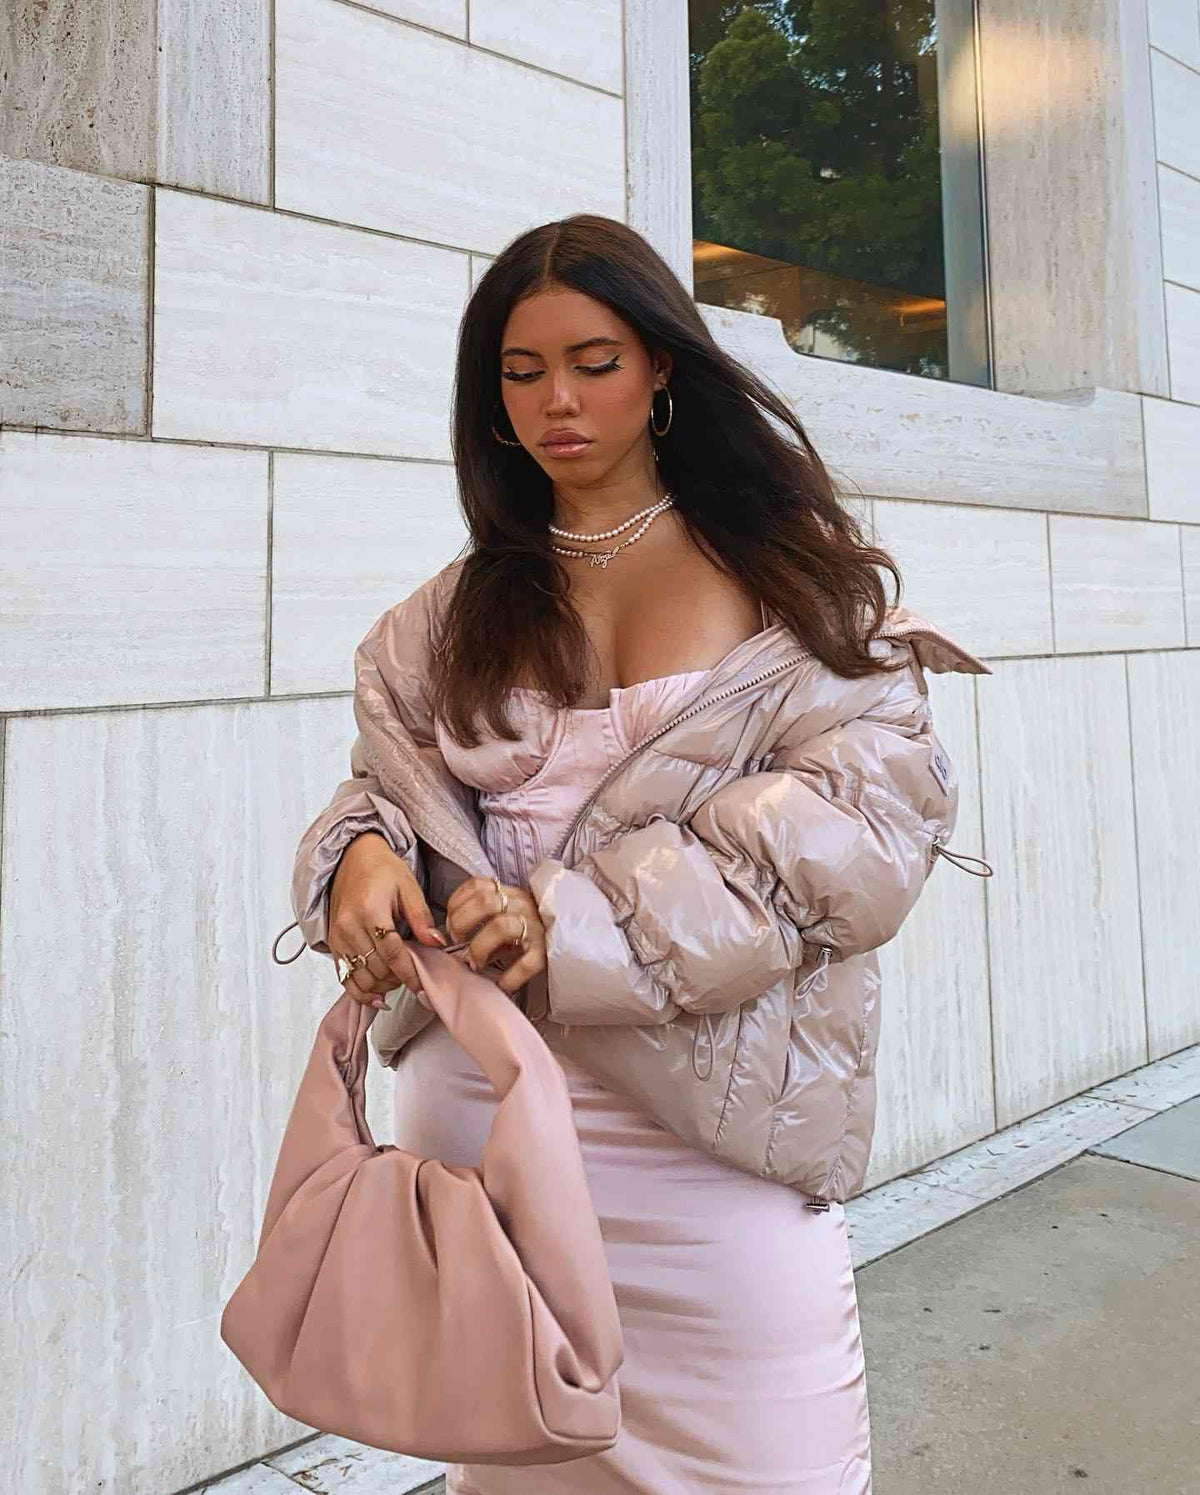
(447, 1312)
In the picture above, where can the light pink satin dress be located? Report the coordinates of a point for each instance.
(743, 1364)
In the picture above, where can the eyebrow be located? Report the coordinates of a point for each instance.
(588, 342)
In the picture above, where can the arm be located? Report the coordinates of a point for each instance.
(390, 666)
(357, 805)
(831, 846)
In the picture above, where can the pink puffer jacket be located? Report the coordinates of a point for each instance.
(714, 909)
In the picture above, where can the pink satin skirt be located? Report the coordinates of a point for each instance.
(743, 1364)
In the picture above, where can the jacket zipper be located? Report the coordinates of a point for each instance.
(659, 732)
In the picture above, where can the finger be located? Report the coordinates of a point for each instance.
(379, 971)
(470, 905)
(392, 952)
(499, 931)
(413, 908)
(362, 982)
(514, 978)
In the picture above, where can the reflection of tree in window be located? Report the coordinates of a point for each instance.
(816, 173)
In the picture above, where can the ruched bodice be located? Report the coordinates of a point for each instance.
(530, 789)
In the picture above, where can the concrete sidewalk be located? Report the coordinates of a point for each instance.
(1051, 1337)
(1030, 1310)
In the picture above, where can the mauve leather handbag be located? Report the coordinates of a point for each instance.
(451, 1313)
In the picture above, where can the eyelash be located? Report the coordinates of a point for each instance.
(598, 368)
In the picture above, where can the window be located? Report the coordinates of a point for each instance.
(836, 177)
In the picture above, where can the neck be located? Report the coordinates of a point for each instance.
(601, 507)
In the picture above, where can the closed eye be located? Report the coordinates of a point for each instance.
(587, 368)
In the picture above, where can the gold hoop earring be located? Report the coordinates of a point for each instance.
(670, 412)
(497, 434)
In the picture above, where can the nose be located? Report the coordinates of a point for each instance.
(562, 399)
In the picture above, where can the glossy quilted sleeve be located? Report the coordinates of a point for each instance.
(357, 805)
(830, 846)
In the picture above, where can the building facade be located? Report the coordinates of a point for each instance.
(236, 237)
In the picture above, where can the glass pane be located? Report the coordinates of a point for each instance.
(835, 177)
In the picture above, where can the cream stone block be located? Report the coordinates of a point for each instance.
(1064, 930)
(174, 91)
(581, 39)
(1116, 584)
(1183, 337)
(658, 129)
(934, 1066)
(892, 435)
(213, 117)
(352, 536)
(449, 16)
(1176, 109)
(1189, 540)
(1172, 460)
(1179, 199)
(146, 864)
(79, 84)
(981, 574)
(1175, 28)
(271, 329)
(75, 251)
(479, 263)
(132, 571)
(397, 128)
(1073, 249)
(1164, 715)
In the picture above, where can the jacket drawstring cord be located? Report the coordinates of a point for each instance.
(958, 857)
(712, 1047)
(295, 924)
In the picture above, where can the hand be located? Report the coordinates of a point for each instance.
(476, 905)
(373, 887)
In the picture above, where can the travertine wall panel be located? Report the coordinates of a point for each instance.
(175, 91)
(581, 39)
(397, 128)
(1172, 460)
(449, 16)
(1064, 932)
(1164, 716)
(981, 574)
(1183, 337)
(214, 97)
(1072, 217)
(1175, 28)
(351, 537)
(1176, 107)
(79, 84)
(275, 330)
(132, 571)
(146, 858)
(934, 1067)
(1117, 584)
(1179, 196)
(1190, 560)
(74, 253)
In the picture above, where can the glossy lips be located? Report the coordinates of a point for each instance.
(564, 442)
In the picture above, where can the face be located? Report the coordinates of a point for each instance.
(570, 363)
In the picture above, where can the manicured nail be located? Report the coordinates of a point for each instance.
(437, 935)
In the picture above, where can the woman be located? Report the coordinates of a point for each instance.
(662, 758)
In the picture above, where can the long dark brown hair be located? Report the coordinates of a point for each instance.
(760, 506)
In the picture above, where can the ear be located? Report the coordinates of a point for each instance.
(663, 364)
